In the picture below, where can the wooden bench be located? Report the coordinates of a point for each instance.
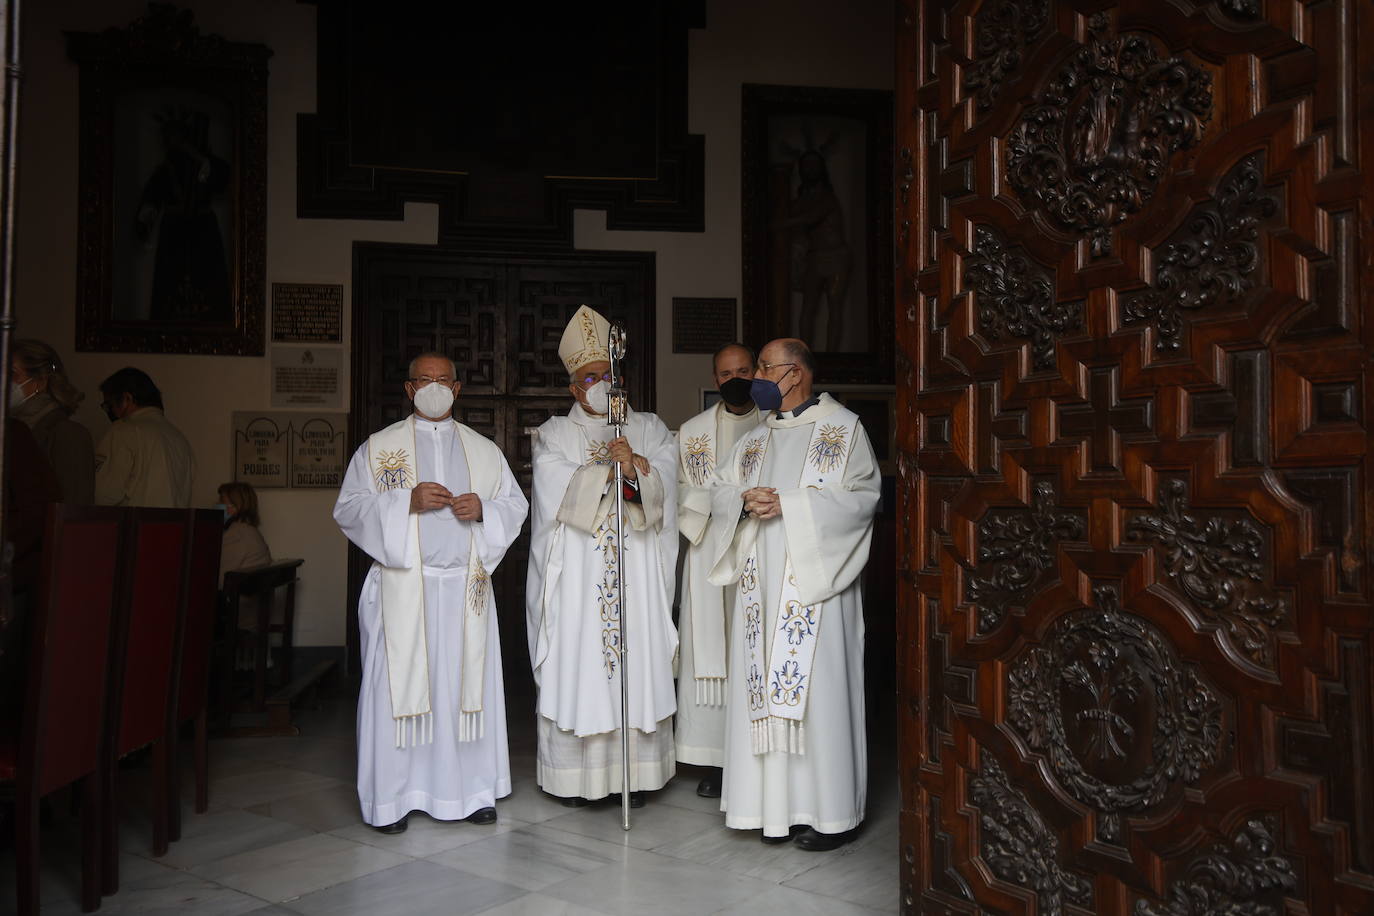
(262, 583)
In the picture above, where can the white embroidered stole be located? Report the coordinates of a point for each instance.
(393, 465)
(698, 447)
(609, 586)
(779, 665)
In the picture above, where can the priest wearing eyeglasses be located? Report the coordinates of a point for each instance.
(792, 511)
(572, 601)
(435, 505)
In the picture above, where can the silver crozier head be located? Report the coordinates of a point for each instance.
(618, 414)
(617, 342)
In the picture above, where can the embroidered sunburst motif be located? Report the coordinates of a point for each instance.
(828, 448)
(700, 459)
(599, 453)
(393, 470)
(751, 456)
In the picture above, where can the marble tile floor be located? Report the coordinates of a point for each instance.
(283, 836)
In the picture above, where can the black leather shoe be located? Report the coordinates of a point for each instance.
(398, 827)
(636, 799)
(575, 801)
(779, 840)
(709, 787)
(814, 841)
(482, 816)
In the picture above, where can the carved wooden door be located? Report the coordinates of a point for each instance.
(1134, 376)
(501, 317)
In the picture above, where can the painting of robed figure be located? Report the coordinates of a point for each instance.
(172, 189)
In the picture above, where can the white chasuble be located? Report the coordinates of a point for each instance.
(573, 609)
(789, 775)
(702, 607)
(430, 647)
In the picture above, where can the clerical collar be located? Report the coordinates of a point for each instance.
(799, 409)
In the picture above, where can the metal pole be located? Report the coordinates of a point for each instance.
(9, 170)
(617, 417)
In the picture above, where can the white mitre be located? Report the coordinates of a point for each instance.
(586, 339)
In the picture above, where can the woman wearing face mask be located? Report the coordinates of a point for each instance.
(243, 546)
(44, 399)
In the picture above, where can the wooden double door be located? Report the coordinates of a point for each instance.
(1134, 332)
(500, 316)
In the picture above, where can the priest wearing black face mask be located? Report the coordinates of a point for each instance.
(702, 625)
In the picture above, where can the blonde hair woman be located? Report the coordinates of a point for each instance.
(244, 546)
(44, 398)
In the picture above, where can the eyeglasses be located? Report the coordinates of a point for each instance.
(769, 367)
(424, 380)
(588, 381)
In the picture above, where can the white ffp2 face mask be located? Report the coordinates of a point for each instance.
(434, 400)
(599, 397)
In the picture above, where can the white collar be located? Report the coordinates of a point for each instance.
(433, 426)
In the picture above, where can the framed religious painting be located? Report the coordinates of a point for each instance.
(816, 190)
(172, 189)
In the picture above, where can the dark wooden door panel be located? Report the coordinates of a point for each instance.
(543, 297)
(1135, 613)
(500, 316)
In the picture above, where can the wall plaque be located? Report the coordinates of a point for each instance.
(307, 377)
(290, 449)
(307, 312)
(261, 449)
(702, 325)
(319, 455)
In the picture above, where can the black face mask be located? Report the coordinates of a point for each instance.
(735, 391)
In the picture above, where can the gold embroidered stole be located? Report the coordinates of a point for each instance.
(392, 463)
(778, 669)
(698, 447)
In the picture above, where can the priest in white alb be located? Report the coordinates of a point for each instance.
(435, 505)
(791, 520)
(571, 599)
(703, 608)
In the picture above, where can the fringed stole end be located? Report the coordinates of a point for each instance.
(471, 726)
(710, 691)
(413, 730)
(773, 733)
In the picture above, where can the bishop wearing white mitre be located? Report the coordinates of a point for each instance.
(571, 601)
(791, 519)
(703, 607)
(435, 505)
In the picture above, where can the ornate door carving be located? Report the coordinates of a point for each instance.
(500, 316)
(1135, 368)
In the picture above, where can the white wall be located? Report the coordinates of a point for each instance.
(803, 42)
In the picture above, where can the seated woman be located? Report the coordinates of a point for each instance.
(243, 546)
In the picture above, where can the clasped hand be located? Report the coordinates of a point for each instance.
(763, 502)
(429, 496)
(631, 465)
